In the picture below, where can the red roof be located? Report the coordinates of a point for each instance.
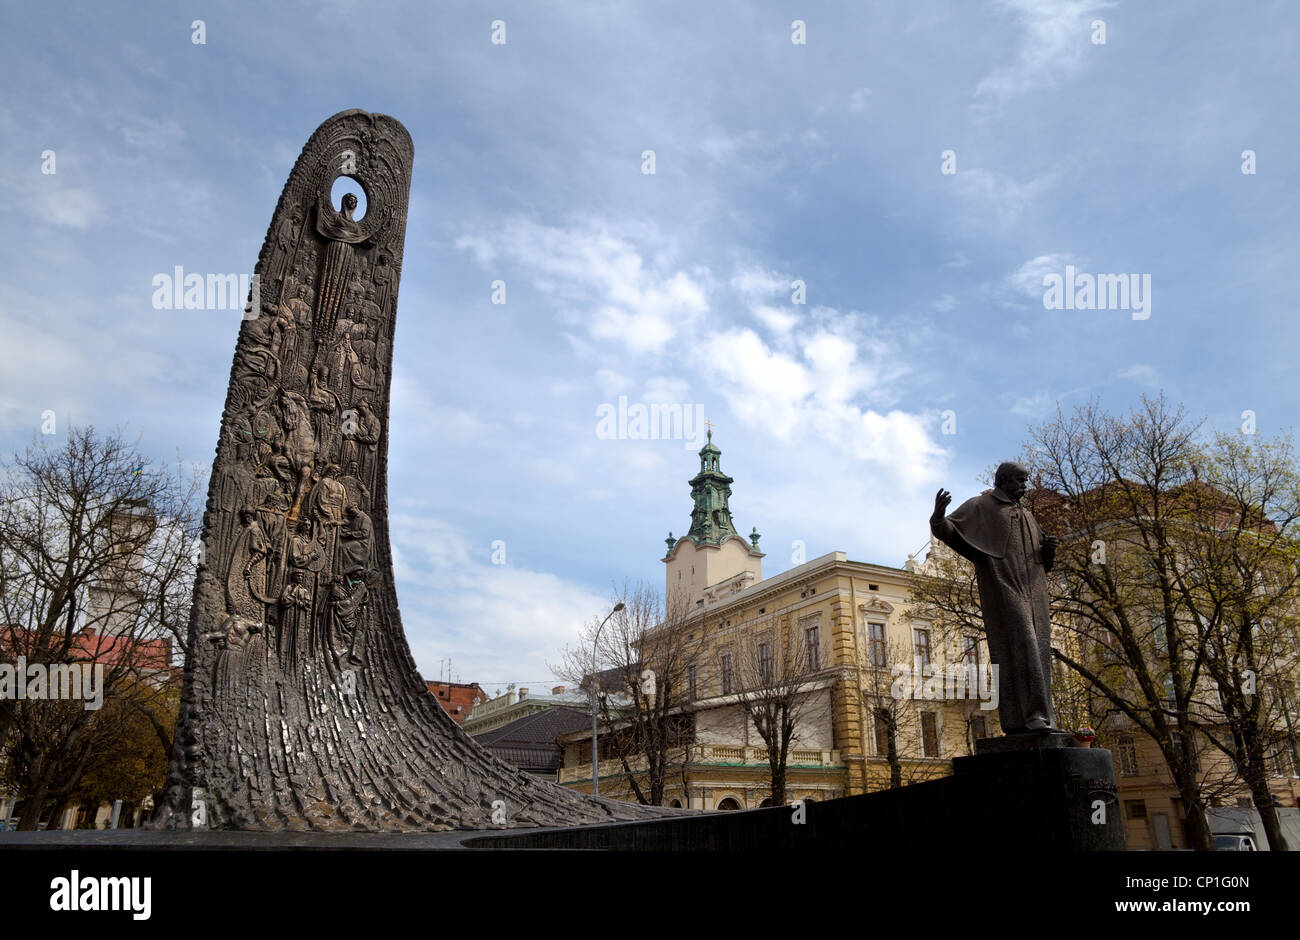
(88, 646)
(456, 698)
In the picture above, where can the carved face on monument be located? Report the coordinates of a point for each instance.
(349, 205)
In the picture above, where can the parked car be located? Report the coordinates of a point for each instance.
(1237, 842)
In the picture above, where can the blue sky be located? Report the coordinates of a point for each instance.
(775, 162)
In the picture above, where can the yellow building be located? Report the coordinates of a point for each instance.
(841, 634)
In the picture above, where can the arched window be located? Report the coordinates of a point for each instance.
(728, 805)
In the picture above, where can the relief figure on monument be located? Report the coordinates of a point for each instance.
(358, 493)
(357, 543)
(341, 233)
(295, 619)
(361, 439)
(324, 406)
(348, 620)
(247, 572)
(299, 443)
(233, 643)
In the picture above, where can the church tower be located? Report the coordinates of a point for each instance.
(712, 560)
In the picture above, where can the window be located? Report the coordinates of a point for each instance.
(882, 736)
(1135, 809)
(1128, 757)
(1158, 634)
(813, 643)
(876, 644)
(692, 677)
(726, 673)
(921, 647)
(970, 652)
(979, 728)
(765, 663)
(930, 734)
(1179, 742)
(1280, 758)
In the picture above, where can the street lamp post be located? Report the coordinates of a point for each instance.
(595, 749)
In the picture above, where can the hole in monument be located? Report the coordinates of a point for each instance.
(344, 185)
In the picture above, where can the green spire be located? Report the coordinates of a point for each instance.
(711, 517)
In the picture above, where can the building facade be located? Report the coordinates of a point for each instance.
(841, 636)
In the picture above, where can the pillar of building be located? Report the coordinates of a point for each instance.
(846, 704)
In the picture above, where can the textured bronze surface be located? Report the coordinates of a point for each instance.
(302, 707)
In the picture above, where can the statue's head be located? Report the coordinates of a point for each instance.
(1012, 478)
(349, 204)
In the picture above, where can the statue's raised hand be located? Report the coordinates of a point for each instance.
(941, 501)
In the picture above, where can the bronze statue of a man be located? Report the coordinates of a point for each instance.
(1012, 558)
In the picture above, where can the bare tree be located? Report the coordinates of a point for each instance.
(642, 661)
(1159, 586)
(97, 554)
(775, 689)
(897, 718)
(1238, 575)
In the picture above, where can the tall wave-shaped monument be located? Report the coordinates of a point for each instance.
(302, 708)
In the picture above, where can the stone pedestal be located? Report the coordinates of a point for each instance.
(1046, 792)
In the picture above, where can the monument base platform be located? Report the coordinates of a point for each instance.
(1052, 798)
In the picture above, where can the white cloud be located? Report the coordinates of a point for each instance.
(1141, 373)
(1055, 44)
(72, 207)
(778, 321)
(859, 98)
(722, 147)
(494, 621)
(993, 200)
(944, 303)
(665, 390)
(1028, 278)
(816, 392)
(603, 279)
(757, 281)
(1033, 406)
(611, 383)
